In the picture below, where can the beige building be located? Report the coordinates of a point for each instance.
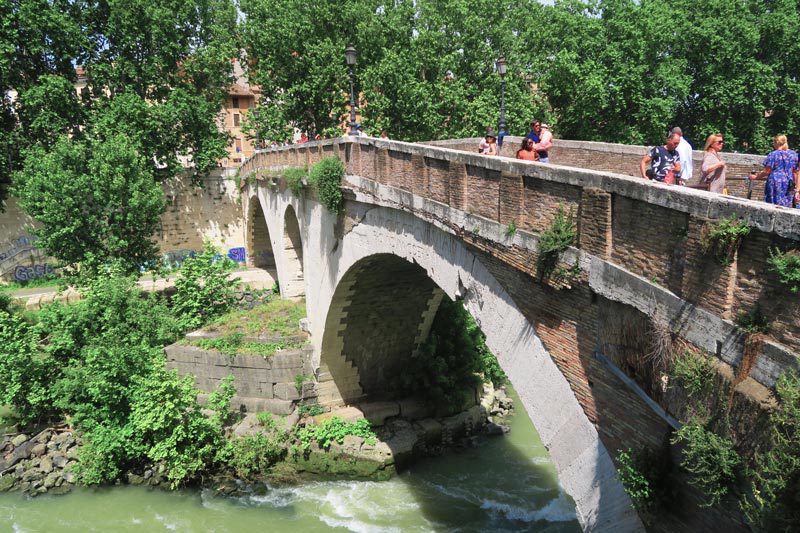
(241, 98)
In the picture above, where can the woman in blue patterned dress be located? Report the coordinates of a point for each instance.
(781, 172)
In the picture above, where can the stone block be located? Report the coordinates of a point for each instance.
(285, 391)
(378, 412)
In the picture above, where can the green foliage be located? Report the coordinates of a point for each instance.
(636, 485)
(723, 237)
(294, 179)
(511, 229)
(299, 380)
(265, 419)
(203, 290)
(309, 409)
(24, 372)
(276, 317)
(787, 266)
(710, 460)
(772, 504)
(153, 73)
(753, 321)
(450, 359)
(326, 177)
(559, 236)
(251, 456)
(335, 430)
(694, 372)
(227, 344)
(233, 344)
(97, 202)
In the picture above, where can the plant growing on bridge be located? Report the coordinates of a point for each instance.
(722, 238)
(294, 177)
(559, 236)
(326, 177)
(772, 502)
(710, 460)
(694, 372)
(787, 266)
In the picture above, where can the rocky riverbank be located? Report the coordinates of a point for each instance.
(39, 463)
(44, 461)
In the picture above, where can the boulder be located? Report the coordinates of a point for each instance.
(51, 479)
(19, 439)
(38, 450)
(6, 482)
(59, 460)
(46, 466)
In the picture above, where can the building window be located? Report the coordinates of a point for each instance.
(236, 119)
(235, 102)
(238, 145)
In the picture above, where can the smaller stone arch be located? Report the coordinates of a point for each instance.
(259, 245)
(293, 284)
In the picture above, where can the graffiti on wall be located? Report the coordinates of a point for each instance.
(175, 258)
(20, 245)
(21, 260)
(237, 254)
(28, 273)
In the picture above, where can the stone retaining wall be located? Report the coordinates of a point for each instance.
(262, 383)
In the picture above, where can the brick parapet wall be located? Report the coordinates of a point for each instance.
(624, 159)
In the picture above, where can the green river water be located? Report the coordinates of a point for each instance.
(502, 484)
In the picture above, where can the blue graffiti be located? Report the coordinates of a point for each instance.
(28, 273)
(238, 254)
(175, 258)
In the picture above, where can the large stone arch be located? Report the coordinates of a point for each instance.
(293, 286)
(585, 468)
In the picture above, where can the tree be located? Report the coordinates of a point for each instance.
(97, 202)
(156, 74)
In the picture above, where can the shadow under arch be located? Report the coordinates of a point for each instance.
(257, 239)
(584, 465)
(294, 284)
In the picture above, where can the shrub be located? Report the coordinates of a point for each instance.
(636, 485)
(752, 321)
(309, 409)
(511, 229)
(251, 456)
(294, 179)
(772, 504)
(25, 372)
(335, 430)
(723, 237)
(559, 236)
(326, 176)
(709, 459)
(265, 419)
(203, 290)
(787, 266)
(694, 372)
(450, 359)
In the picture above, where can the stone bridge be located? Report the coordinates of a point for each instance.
(423, 221)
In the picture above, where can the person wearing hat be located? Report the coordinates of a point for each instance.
(484, 145)
(491, 141)
(544, 144)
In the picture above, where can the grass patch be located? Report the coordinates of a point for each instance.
(279, 318)
(234, 345)
(44, 281)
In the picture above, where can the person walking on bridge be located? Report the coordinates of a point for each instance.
(685, 151)
(664, 161)
(781, 172)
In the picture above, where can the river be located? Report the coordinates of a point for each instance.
(502, 484)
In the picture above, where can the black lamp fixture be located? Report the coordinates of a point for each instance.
(352, 58)
(502, 69)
